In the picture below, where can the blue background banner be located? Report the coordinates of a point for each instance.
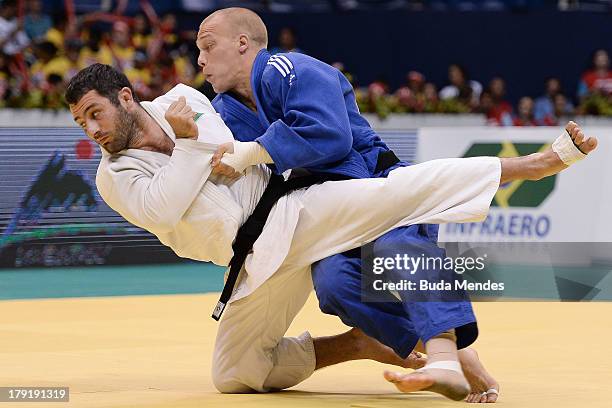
(50, 211)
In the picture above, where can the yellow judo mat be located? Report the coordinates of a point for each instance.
(155, 351)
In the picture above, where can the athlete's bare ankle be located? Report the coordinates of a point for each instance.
(357, 344)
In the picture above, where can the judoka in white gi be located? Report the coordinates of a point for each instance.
(156, 172)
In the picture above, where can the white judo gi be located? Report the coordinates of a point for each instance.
(198, 216)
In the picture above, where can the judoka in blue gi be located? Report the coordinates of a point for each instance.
(302, 114)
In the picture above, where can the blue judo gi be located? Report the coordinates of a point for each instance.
(307, 117)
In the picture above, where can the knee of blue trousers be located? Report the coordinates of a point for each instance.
(335, 286)
(337, 283)
(429, 316)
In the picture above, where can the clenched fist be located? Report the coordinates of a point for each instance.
(180, 117)
(220, 168)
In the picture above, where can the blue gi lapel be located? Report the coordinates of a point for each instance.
(238, 115)
(258, 68)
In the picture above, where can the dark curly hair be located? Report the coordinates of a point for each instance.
(104, 79)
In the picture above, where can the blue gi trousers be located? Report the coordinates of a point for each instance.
(399, 325)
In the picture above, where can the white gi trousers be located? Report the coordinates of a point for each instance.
(250, 352)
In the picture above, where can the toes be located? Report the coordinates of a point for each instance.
(578, 137)
(575, 132)
(584, 143)
(392, 377)
(588, 145)
(417, 363)
(571, 127)
(492, 397)
(477, 398)
(481, 398)
(416, 360)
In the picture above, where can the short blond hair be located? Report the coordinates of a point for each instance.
(243, 21)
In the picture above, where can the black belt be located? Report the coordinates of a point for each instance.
(254, 225)
(386, 160)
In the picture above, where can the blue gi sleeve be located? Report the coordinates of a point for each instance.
(315, 128)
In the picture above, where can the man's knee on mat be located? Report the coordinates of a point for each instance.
(225, 382)
(231, 387)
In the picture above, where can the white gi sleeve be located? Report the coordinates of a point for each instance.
(157, 200)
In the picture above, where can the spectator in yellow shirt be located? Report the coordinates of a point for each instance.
(95, 51)
(4, 79)
(141, 33)
(121, 47)
(48, 62)
(73, 48)
(183, 66)
(53, 93)
(140, 75)
(168, 30)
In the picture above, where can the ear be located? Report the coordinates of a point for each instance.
(243, 43)
(126, 99)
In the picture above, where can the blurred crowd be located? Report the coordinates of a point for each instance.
(284, 6)
(39, 54)
(463, 94)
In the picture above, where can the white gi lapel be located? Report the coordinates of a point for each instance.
(158, 112)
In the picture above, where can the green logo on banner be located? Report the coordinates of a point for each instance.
(517, 193)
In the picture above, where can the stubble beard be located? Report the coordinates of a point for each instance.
(128, 130)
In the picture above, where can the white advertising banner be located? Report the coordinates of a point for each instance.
(574, 206)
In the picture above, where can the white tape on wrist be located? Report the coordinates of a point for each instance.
(246, 154)
(567, 150)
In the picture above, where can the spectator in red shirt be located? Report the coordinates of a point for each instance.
(411, 96)
(525, 116)
(430, 93)
(599, 78)
(500, 111)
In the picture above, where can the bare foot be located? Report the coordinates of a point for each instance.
(449, 383)
(548, 162)
(478, 377)
(372, 349)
